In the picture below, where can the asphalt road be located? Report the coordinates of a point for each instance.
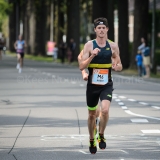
(43, 115)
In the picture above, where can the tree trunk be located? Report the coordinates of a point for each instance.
(123, 39)
(99, 9)
(41, 21)
(141, 8)
(73, 28)
(12, 27)
(110, 18)
(60, 21)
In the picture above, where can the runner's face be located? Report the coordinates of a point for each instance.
(101, 31)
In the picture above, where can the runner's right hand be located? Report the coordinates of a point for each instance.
(95, 51)
(85, 76)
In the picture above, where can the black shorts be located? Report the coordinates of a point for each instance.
(96, 92)
(21, 54)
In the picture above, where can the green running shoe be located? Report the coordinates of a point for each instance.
(101, 141)
(93, 146)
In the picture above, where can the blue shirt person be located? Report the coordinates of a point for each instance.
(139, 60)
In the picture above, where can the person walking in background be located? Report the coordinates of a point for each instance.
(141, 48)
(55, 53)
(139, 60)
(146, 61)
(62, 51)
(72, 47)
(19, 46)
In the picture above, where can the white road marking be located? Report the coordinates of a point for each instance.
(121, 103)
(117, 100)
(103, 151)
(83, 152)
(151, 131)
(132, 100)
(158, 142)
(124, 107)
(139, 120)
(73, 82)
(122, 97)
(114, 97)
(155, 107)
(143, 103)
(139, 115)
(81, 85)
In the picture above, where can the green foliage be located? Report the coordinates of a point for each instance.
(4, 11)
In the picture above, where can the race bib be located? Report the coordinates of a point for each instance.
(100, 76)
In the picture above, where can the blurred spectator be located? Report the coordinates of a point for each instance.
(72, 46)
(55, 53)
(146, 61)
(141, 48)
(139, 60)
(62, 49)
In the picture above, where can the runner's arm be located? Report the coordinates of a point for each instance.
(86, 59)
(84, 73)
(116, 64)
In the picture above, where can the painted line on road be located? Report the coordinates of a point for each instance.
(156, 107)
(124, 107)
(83, 152)
(121, 103)
(151, 131)
(139, 115)
(117, 100)
(107, 150)
(143, 103)
(158, 142)
(123, 97)
(139, 120)
(132, 100)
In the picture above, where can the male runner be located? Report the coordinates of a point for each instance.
(100, 56)
(19, 46)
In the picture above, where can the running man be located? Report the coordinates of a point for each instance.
(85, 78)
(19, 46)
(100, 56)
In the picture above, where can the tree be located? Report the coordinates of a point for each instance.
(41, 21)
(73, 23)
(123, 38)
(12, 26)
(141, 8)
(29, 27)
(110, 18)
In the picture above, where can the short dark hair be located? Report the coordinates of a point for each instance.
(99, 21)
